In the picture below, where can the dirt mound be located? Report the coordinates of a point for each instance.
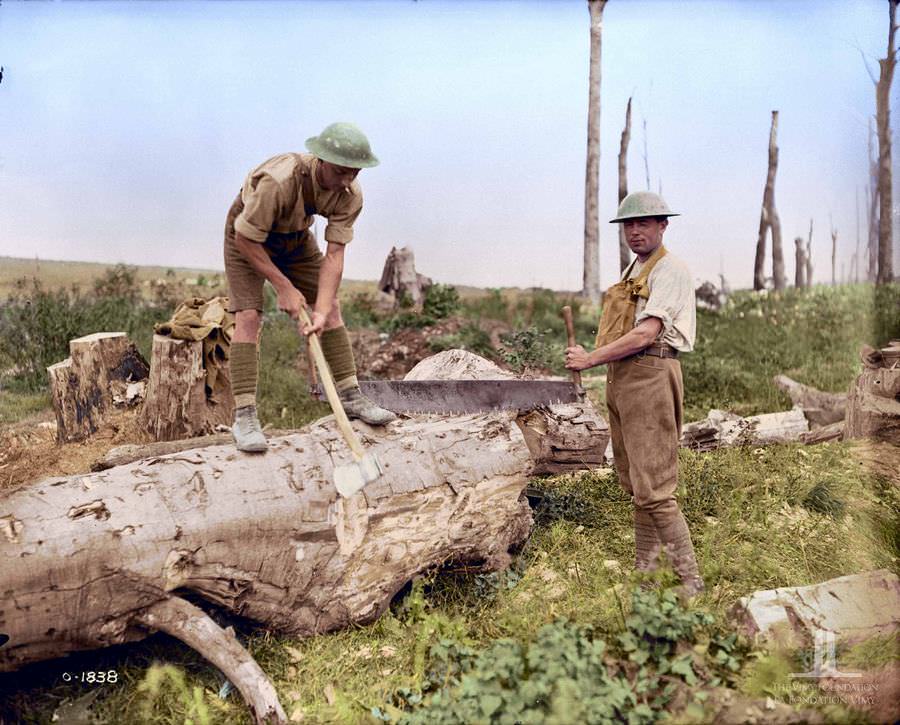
(383, 356)
(29, 451)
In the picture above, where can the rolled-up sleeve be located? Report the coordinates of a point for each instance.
(341, 220)
(262, 205)
(670, 296)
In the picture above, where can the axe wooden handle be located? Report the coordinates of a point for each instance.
(331, 392)
(570, 331)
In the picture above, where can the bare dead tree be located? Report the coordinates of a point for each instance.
(769, 221)
(646, 158)
(872, 198)
(799, 264)
(809, 268)
(883, 121)
(591, 275)
(834, 236)
(855, 266)
(624, 251)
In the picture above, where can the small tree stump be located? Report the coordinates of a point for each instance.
(873, 406)
(399, 276)
(178, 403)
(103, 369)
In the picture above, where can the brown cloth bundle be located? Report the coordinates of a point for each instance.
(203, 320)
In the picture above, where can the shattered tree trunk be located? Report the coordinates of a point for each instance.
(872, 198)
(103, 558)
(399, 277)
(799, 264)
(768, 220)
(103, 370)
(808, 256)
(885, 175)
(178, 404)
(624, 249)
(591, 273)
(834, 235)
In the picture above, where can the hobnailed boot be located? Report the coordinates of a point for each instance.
(357, 405)
(680, 551)
(647, 546)
(247, 432)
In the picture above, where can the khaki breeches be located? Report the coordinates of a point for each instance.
(644, 395)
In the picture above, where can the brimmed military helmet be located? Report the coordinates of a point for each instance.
(642, 204)
(343, 144)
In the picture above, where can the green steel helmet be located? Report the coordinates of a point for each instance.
(642, 204)
(343, 144)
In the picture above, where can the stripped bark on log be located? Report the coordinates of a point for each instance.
(722, 429)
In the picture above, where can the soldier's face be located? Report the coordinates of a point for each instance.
(644, 235)
(334, 177)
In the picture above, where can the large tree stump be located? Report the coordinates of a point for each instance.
(873, 406)
(97, 559)
(399, 276)
(103, 370)
(560, 438)
(178, 402)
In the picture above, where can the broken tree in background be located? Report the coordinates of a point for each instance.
(769, 221)
(399, 278)
(104, 370)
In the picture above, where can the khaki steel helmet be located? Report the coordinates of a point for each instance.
(343, 144)
(642, 204)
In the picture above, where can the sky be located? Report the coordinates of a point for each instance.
(127, 128)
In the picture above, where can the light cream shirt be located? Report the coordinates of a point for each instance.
(273, 201)
(671, 300)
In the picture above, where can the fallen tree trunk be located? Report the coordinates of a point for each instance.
(722, 429)
(819, 407)
(91, 560)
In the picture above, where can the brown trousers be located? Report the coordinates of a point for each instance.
(296, 254)
(644, 395)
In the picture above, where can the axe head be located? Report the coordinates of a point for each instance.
(350, 478)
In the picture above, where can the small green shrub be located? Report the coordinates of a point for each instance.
(532, 349)
(470, 337)
(441, 301)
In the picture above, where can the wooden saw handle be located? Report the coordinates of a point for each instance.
(570, 331)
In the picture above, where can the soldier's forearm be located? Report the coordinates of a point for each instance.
(630, 343)
(330, 278)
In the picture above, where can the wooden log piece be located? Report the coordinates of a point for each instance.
(100, 372)
(178, 404)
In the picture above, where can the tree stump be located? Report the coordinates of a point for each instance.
(178, 402)
(399, 277)
(873, 406)
(103, 370)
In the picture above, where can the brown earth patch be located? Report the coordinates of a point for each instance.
(29, 451)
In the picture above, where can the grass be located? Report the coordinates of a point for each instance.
(760, 517)
(753, 524)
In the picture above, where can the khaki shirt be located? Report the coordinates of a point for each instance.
(273, 201)
(671, 300)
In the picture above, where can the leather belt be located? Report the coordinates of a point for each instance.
(658, 350)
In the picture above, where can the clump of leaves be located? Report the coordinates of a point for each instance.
(568, 672)
(470, 337)
(531, 349)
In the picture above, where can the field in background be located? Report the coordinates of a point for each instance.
(461, 646)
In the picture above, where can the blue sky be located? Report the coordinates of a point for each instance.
(126, 128)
